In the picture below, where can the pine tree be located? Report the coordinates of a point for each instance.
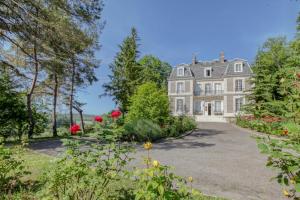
(271, 58)
(125, 72)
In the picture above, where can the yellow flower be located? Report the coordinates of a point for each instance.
(190, 179)
(155, 163)
(285, 192)
(148, 145)
(293, 181)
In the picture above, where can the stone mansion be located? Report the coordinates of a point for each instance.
(209, 90)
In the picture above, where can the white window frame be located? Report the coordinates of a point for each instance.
(183, 105)
(201, 106)
(206, 69)
(235, 85)
(219, 91)
(210, 91)
(235, 67)
(215, 103)
(183, 87)
(234, 102)
(178, 70)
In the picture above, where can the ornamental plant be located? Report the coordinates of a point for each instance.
(156, 181)
(98, 119)
(283, 155)
(89, 170)
(74, 129)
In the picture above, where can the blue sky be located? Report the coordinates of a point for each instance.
(175, 29)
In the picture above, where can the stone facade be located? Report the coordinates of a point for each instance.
(213, 90)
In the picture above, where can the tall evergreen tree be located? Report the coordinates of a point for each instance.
(270, 59)
(125, 72)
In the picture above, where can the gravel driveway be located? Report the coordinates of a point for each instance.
(223, 160)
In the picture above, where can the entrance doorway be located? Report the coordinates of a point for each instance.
(208, 108)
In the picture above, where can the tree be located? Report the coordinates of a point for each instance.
(12, 108)
(48, 32)
(125, 72)
(271, 58)
(154, 70)
(149, 102)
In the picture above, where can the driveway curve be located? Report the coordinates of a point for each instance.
(224, 161)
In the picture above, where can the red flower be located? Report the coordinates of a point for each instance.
(298, 74)
(115, 114)
(98, 119)
(74, 129)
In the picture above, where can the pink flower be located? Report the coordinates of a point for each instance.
(74, 129)
(98, 119)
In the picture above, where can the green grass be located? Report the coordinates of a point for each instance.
(35, 163)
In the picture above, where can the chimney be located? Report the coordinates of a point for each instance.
(194, 61)
(222, 57)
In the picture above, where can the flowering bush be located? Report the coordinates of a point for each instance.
(74, 129)
(156, 181)
(98, 119)
(89, 170)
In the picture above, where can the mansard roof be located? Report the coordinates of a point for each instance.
(219, 70)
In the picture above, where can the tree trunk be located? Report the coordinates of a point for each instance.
(72, 93)
(55, 91)
(81, 120)
(81, 117)
(30, 93)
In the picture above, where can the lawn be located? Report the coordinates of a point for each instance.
(35, 163)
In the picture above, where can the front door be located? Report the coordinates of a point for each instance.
(207, 108)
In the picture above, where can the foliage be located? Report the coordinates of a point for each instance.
(142, 130)
(12, 169)
(284, 156)
(86, 174)
(12, 108)
(154, 70)
(159, 183)
(149, 102)
(125, 72)
(176, 126)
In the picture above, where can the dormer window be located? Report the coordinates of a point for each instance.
(238, 67)
(207, 72)
(180, 71)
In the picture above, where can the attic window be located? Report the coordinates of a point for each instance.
(207, 72)
(238, 67)
(180, 71)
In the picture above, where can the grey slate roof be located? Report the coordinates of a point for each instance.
(219, 70)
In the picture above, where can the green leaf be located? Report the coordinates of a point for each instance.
(263, 148)
(161, 190)
(297, 187)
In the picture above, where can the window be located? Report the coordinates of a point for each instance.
(207, 72)
(218, 106)
(180, 87)
(179, 106)
(239, 85)
(197, 108)
(207, 89)
(198, 89)
(218, 88)
(238, 104)
(180, 71)
(238, 67)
